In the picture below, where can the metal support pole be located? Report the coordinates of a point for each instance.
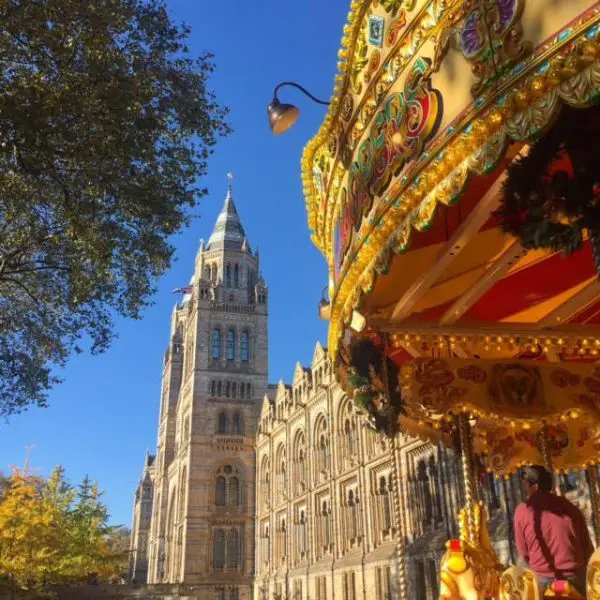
(509, 524)
(400, 536)
(547, 458)
(467, 471)
(595, 499)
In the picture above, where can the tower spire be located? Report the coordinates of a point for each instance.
(228, 232)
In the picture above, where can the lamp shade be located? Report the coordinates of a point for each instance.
(281, 116)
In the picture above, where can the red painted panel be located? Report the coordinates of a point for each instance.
(449, 218)
(590, 314)
(532, 285)
(434, 313)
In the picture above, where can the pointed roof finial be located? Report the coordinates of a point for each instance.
(228, 232)
(230, 184)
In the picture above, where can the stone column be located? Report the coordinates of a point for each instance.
(401, 539)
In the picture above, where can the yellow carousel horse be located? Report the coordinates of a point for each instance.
(470, 569)
(519, 583)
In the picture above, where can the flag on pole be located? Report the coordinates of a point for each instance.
(183, 290)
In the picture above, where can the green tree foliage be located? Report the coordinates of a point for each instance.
(106, 124)
(52, 533)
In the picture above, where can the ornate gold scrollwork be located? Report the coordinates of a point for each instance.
(488, 33)
(518, 583)
(593, 577)
(393, 6)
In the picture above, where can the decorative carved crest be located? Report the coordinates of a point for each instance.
(488, 33)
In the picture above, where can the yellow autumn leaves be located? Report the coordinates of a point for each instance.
(52, 533)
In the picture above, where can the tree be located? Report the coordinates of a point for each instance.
(51, 533)
(106, 124)
(90, 528)
(27, 538)
(115, 560)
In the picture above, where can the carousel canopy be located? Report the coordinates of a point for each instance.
(433, 103)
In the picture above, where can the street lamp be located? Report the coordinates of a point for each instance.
(325, 305)
(283, 116)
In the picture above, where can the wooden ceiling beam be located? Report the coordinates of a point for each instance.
(456, 244)
(503, 263)
(568, 309)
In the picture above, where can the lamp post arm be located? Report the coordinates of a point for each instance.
(303, 90)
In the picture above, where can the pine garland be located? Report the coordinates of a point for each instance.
(362, 375)
(552, 195)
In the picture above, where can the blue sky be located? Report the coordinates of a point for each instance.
(104, 416)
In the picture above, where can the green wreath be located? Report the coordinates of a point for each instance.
(552, 195)
(362, 375)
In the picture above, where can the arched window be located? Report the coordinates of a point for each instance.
(283, 550)
(244, 346)
(323, 452)
(219, 550)
(220, 491)
(227, 389)
(284, 480)
(353, 520)
(231, 345)
(234, 390)
(241, 390)
(222, 423)
(301, 466)
(248, 390)
(425, 491)
(233, 498)
(233, 549)
(266, 545)
(238, 424)
(264, 481)
(280, 483)
(182, 490)
(299, 463)
(384, 492)
(228, 276)
(213, 388)
(236, 276)
(321, 449)
(326, 525)
(228, 486)
(302, 533)
(207, 273)
(216, 344)
(219, 389)
(349, 434)
(251, 284)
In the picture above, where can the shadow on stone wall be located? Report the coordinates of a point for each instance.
(106, 592)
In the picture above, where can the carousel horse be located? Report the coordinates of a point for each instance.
(593, 576)
(470, 570)
(519, 583)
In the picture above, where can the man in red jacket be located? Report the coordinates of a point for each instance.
(550, 532)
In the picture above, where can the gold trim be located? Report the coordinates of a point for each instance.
(571, 77)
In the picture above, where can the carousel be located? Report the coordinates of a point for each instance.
(454, 190)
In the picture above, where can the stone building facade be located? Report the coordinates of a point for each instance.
(333, 497)
(278, 492)
(140, 527)
(214, 378)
